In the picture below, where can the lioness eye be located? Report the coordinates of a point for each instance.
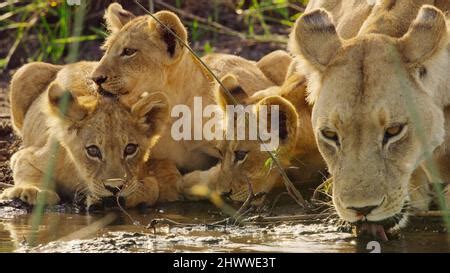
(392, 131)
(240, 155)
(128, 52)
(130, 149)
(94, 151)
(330, 135)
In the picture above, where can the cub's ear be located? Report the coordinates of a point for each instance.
(63, 104)
(314, 38)
(275, 66)
(116, 17)
(231, 84)
(152, 110)
(174, 48)
(426, 35)
(288, 121)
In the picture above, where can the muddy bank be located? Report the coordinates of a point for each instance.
(201, 238)
(187, 227)
(9, 142)
(284, 238)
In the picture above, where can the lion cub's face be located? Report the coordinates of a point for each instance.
(108, 143)
(138, 52)
(243, 161)
(373, 118)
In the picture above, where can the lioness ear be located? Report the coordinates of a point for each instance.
(315, 38)
(288, 120)
(231, 84)
(64, 104)
(116, 17)
(153, 112)
(426, 35)
(174, 48)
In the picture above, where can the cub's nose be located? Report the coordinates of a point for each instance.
(99, 80)
(113, 185)
(363, 211)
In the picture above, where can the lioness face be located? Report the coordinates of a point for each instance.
(138, 52)
(373, 129)
(109, 143)
(373, 119)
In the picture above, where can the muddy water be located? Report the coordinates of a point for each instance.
(113, 231)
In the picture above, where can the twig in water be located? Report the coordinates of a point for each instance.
(248, 202)
(289, 218)
(167, 221)
(136, 223)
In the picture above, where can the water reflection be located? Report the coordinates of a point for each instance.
(119, 234)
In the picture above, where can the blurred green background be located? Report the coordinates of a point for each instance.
(57, 31)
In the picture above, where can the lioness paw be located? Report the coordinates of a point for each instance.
(30, 194)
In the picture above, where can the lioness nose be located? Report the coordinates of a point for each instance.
(363, 211)
(99, 79)
(113, 186)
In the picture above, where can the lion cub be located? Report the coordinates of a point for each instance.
(98, 146)
(244, 165)
(143, 56)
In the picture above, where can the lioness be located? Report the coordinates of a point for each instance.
(101, 146)
(143, 56)
(378, 113)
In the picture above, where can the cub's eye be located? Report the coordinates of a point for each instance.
(94, 152)
(240, 155)
(130, 150)
(392, 131)
(330, 135)
(128, 52)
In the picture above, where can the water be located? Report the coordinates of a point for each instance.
(115, 232)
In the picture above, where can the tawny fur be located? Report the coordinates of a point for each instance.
(233, 175)
(390, 17)
(88, 120)
(26, 85)
(162, 63)
(361, 87)
(275, 66)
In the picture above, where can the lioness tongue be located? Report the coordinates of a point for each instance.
(377, 231)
